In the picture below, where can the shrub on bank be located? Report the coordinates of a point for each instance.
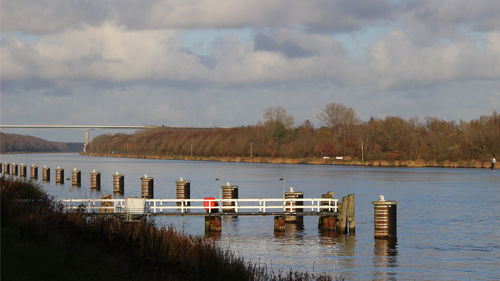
(40, 241)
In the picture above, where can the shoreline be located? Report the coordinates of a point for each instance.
(419, 163)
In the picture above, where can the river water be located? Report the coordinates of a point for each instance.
(448, 219)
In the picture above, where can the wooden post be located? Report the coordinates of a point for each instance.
(351, 216)
(342, 216)
(326, 222)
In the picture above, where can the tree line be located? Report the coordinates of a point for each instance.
(22, 143)
(341, 133)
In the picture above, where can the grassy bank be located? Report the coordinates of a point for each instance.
(40, 242)
(314, 161)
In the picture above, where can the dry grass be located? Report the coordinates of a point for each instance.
(137, 251)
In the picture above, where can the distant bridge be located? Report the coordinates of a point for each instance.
(87, 127)
(76, 126)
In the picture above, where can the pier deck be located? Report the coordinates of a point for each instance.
(203, 207)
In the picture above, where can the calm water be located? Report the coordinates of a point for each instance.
(448, 219)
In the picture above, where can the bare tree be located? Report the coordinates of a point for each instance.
(339, 118)
(278, 114)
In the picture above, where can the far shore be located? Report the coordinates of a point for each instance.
(312, 161)
(36, 152)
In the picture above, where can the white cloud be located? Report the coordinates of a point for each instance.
(396, 61)
(52, 16)
(131, 53)
(107, 53)
(112, 54)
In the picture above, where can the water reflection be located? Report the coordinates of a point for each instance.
(230, 224)
(295, 228)
(213, 235)
(327, 236)
(386, 256)
(293, 231)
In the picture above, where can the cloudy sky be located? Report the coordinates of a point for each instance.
(222, 63)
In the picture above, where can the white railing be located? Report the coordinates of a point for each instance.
(159, 206)
(101, 205)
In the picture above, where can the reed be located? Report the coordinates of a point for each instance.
(135, 250)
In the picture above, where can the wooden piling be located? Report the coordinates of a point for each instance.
(22, 170)
(118, 183)
(229, 192)
(213, 224)
(342, 216)
(351, 218)
(76, 177)
(291, 207)
(95, 180)
(14, 169)
(183, 190)
(34, 172)
(147, 187)
(59, 175)
(385, 218)
(326, 222)
(45, 173)
(6, 168)
(279, 224)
